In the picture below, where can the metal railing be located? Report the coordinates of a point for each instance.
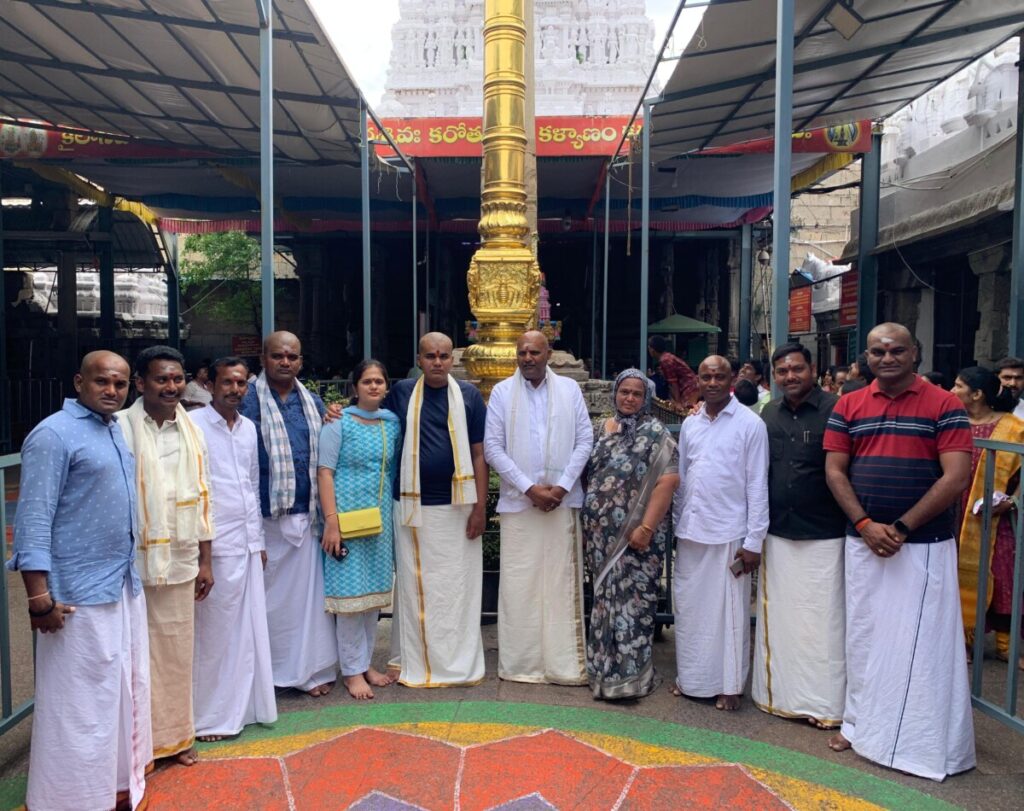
(31, 401)
(1005, 712)
(11, 714)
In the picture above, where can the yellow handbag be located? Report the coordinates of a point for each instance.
(367, 522)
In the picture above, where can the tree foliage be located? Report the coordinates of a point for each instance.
(220, 276)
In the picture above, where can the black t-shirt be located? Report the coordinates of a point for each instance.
(437, 463)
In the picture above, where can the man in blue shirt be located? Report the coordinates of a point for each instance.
(74, 543)
(288, 420)
(440, 497)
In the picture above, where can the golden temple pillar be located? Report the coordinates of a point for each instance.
(503, 277)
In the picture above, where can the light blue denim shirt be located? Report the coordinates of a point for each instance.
(76, 507)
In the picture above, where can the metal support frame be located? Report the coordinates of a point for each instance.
(604, 285)
(1017, 257)
(1006, 712)
(782, 171)
(746, 285)
(415, 274)
(593, 299)
(105, 223)
(266, 9)
(645, 230)
(867, 262)
(364, 191)
(5, 406)
(173, 307)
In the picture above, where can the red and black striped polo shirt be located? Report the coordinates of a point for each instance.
(894, 445)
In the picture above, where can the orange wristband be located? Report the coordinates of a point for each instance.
(862, 523)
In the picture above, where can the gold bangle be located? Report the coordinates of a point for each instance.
(644, 526)
(329, 515)
(37, 596)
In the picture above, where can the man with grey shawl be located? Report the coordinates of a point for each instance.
(288, 420)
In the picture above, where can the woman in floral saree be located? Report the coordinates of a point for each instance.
(631, 476)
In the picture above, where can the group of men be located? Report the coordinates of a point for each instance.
(858, 610)
(126, 518)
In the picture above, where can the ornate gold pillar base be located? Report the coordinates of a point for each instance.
(504, 282)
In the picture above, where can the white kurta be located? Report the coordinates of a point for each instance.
(91, 727)
(438, 581)
(908, 703)
(232, 678)
(712, 616)
(539, 435)
(302, 640)
(800, 639)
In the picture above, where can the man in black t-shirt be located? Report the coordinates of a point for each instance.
(440, 501)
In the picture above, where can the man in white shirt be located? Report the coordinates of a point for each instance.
(1011, 378)
(721, 519)
(538, 438)
(232, 677)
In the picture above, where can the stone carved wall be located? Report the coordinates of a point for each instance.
(592, 57)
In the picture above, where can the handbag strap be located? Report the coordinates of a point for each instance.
(383, 459)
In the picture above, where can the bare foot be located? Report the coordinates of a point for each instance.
(209, 738)
(190, 757)
(838, 743)
(814, 722)
(357, 687)
(674, 690)
(320, 690)
(1005, 657)
(727, 703)
(378, 679)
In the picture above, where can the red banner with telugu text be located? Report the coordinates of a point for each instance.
(852, 137)
(26, 142)
(462, 137)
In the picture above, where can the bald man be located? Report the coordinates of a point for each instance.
(75, 543)
(721, 519)
(440, 496)
(288, 418)
(899, 458)
(538, 439)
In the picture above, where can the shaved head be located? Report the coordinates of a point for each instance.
(102, 382)
(275, 339)
(890, 329)
(715, 377)
(433, 339)
(712, 361)
(532, 336)
(102, 358)
(892, 356)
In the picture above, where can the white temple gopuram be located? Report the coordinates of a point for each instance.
(592, 57)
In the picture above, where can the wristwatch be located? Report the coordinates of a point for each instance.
(901, 527)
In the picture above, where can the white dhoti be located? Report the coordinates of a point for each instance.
(91, 729)
(908, 703)
(800, 641)
(302, 642)
(540, 598)
(439, 575)
(232, 676)
(712, 619)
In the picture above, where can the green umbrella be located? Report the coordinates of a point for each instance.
(676, 324)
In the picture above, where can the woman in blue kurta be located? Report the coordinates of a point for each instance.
(355, 470)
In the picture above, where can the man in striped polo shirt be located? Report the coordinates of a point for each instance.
(899, 455)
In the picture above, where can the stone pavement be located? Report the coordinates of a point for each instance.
(518, 746)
